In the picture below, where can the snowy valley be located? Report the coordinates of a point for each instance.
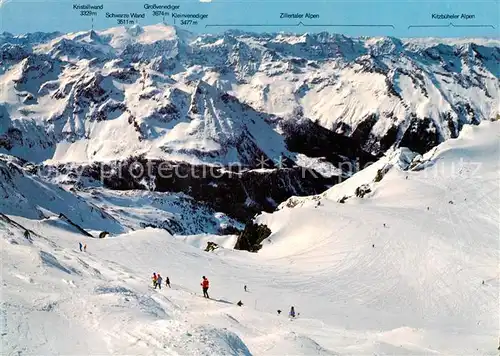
(364, 171)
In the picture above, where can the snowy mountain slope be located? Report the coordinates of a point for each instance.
(27, 192)
(104, 298)
(65, 94)
(402, 258)
(422, 245)
(28, 195)
(413, 286)
(175, 212)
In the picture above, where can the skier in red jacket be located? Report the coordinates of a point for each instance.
(204, 285)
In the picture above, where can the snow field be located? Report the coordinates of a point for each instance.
(414, 286)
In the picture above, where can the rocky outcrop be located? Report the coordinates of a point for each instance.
(211, 246)
(421, 135)
(313, 140)
(362, 190)
(251, 238)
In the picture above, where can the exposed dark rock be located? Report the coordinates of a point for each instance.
(391, 89)
(252, 237)
(78, 227)
(451, 125)
(128, 74)
(168, 110)
(109, 109)
(389, 138)
(362, 132)
(10, 138)
(229, 230)
(171, 225)
(342, 128)
(29, 99)
(372, 65)
(13, 52)
(381, 173)
(313, 140)
(379, 176)
(211, 246)
(28, 234)
(343, 200)
(421, 135)
(362, 190)
(103, 234)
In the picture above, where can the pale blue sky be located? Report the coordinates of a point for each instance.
(19, 16)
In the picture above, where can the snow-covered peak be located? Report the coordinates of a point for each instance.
(120, 37)
(381, 92)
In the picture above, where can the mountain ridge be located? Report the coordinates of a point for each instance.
(329, 78)
(282, 107)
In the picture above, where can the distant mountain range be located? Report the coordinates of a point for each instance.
(278, 102)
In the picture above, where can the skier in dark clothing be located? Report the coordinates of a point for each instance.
(292, 312)
(167, 282)
(81, 246)
(245, 287)
(204, 285)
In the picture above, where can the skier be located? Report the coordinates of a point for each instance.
(85, 248)
(158, 281)
(80, 246)
(292, 312)
(167, 282)
(154, 279)
(204, 285)
(245, 287)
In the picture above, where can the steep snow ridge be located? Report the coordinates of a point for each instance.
(114, 39)
(175, 212)
(222, 126)
(27, 195)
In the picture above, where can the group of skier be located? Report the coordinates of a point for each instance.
(205, 284)
(158, 279)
